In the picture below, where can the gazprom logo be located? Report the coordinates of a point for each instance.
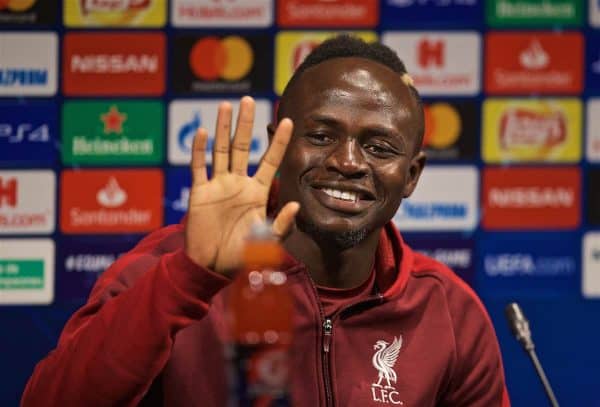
(434, 210)
(23, 77)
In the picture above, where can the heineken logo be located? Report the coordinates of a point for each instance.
(534, 12)
(113, 120)
(124, 132)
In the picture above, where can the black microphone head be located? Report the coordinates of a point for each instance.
(519, 325)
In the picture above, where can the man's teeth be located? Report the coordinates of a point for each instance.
(343, 195)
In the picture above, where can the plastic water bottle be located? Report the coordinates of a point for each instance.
(260, 318)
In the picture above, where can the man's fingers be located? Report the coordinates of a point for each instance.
(272, 158)
(198, 163)
(243, 136)
(222, 135)
(284, 222)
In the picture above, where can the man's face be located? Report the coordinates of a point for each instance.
(351, 159)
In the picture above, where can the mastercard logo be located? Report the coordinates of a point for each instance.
(442, 125)
(229, 58)
(16, 5)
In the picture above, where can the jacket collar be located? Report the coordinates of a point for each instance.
(394, 261)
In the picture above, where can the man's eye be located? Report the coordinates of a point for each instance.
(319, 138)
(379, 150)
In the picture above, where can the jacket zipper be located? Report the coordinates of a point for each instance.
(327, 327)
(327, 332)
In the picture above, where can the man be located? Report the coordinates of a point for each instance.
(352, 124)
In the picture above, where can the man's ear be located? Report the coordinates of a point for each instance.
(417, 163)
(270, 131)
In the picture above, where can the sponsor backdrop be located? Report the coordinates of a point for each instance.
(99, 101)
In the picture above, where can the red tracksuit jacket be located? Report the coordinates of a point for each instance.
(151, 333)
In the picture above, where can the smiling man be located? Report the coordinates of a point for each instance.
(377, 324)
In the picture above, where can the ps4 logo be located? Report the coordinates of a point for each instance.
(24, 132)
(434, 3)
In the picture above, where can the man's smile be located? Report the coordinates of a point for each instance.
(343, 198)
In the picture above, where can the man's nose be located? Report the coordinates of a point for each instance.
(347, 158)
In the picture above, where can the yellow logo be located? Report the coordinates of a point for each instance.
(526, 130)
(16, 5)
(115, 13)
(291, 47)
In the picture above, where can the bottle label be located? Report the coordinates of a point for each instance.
(259, 375)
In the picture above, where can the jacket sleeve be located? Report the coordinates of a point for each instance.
(112, 348)
(477, 378)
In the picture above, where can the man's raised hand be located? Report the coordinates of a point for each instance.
(222, 210)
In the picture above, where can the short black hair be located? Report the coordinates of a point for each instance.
(344, 46)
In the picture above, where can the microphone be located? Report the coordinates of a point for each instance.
(519, 325)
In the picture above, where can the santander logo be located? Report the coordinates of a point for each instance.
(525, 128)
(112, 195)
(534, 56)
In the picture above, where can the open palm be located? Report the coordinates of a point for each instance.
(223, 209)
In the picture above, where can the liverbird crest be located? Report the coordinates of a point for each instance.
(384, 360)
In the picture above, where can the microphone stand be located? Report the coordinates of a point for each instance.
(519, 326)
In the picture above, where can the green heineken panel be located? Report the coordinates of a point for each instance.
(534, 13)
(112, 132)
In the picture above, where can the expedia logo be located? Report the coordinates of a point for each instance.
(526, 128)
(229, 59)
(525, 264)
